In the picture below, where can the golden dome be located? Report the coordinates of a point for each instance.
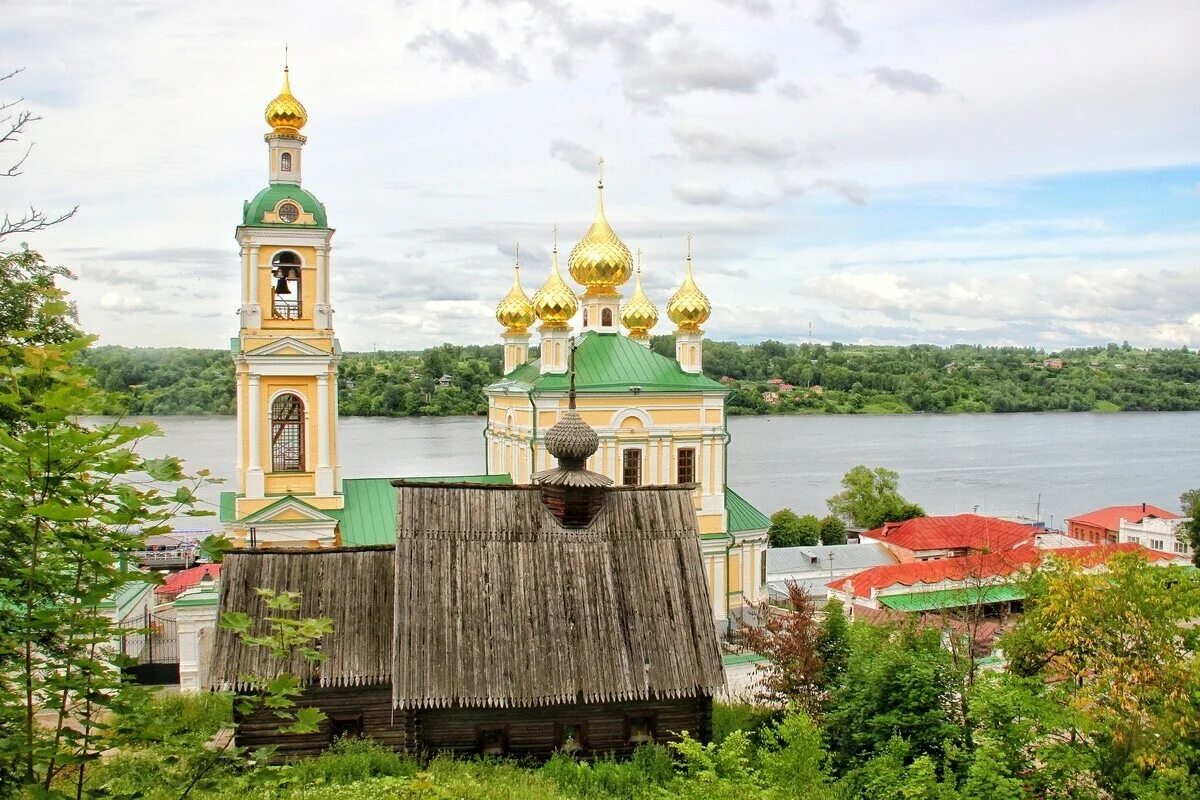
(639, 314)
(555, 303)
(600, 261)
(515, 311)
(688, 308)
(285, 114)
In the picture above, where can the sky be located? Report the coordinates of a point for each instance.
(1007, 172)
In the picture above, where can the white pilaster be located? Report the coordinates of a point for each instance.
(324, 472)
(239, 410)
(196, 622)
(595, 316)
(255, 480)
(254, 308)
(321, 315)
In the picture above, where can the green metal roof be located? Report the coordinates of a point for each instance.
(228, 506)
(610, 362)
(952, 598)
(742, 515)
(369, 516)
(268, 198)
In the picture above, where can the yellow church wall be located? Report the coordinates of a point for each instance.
(712, 416)
(246, 506)
(710, 523)
(321, 341)
(734, 566)
(280, 483)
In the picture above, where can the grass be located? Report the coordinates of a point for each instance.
(730, 717)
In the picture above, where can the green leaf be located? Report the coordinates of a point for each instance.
(307, 720)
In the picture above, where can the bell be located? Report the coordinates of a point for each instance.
(281, 286)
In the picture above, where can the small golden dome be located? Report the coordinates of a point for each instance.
(688, 308)
(600, 261)
(515, 311)
(285, 114)
(639, 314)
(555, 304)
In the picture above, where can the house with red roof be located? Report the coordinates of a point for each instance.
(176, 583)
(989, 579)
(929, 538)
(1104, 524)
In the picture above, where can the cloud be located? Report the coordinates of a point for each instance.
(852, 191)
(121, 277)
(128, 303)
(829, 19)
(907, 80)
(709, 144)
(790, 90)
(755, 8)
(575, 155)
(700, 195)
(694, 66)
(471, 50)
(580, 36)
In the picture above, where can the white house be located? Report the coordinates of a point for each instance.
(1158, 534)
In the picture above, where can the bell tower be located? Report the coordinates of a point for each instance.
(285, 356)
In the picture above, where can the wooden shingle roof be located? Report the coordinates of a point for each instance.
(487, 600)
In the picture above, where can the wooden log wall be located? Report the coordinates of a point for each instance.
(530, 732)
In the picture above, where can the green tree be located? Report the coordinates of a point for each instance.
(785, 530)
(833, 530)
(834, 643)
(1189, 501)
(809, 530)
(870, 497)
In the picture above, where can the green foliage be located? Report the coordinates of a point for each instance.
(897, 681)
(748, 717)
(833, 644)
(286, 636)
(1189, 501)
(842, 379)
(870, 497)
(833, 530)
(791, 641)
(72, 500)
(791, 530)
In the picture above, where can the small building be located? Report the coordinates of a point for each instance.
(519, 619)
(1165, 535)
(927, 538)
(445, 382)
(987, 582)
(1104, 524)
(1053, 363)
(770, 398)
(812, 567)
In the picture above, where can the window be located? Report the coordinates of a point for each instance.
(287, 434)
(1157, 544)
(285, 165)
(631, 466)
(585, 318)
(491, 741)
(639, 728)
(289, 212)
(285, 291)
(571, 736)
(606, 317)
(345, 726)
(685, 463)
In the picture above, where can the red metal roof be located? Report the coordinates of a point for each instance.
(954, 533)
(978, 566)
(178, 582)
(1110, 518)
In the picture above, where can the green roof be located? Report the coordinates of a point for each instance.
(268, 198)
(951, 598)
(742, 515)
(370, 513)
(610, 362)
(228, 506)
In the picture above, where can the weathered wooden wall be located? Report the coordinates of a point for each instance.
(530, 732)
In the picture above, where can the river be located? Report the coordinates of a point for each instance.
(1000, 463)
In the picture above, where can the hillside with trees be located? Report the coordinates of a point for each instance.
(765, 378)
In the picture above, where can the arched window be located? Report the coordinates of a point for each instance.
(585, 318)
(285, 287)
(287, 434)
(285, 162)
(606, 318)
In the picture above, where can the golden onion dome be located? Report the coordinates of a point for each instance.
(639, 314)
(555, 304)
(515, 311)
(688, 308)
(285, 114)
(600, 261)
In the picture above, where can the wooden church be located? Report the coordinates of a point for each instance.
(563, 615)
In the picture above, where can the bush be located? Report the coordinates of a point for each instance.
(351, 760)
(730, 717)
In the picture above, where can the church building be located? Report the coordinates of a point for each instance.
(661, 421)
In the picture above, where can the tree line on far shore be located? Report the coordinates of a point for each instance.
(766, 378)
